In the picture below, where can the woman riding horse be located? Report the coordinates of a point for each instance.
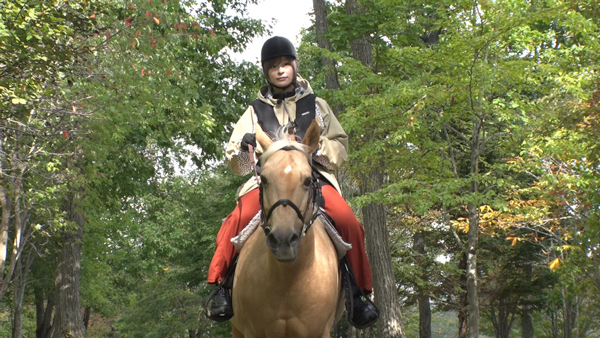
(287, 282)
(288, 100)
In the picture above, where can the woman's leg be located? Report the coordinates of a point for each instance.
(351, 231)
(247, 207)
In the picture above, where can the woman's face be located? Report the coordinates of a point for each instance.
(281, 72)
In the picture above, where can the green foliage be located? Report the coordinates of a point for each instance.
(171, 233)
(524, 72)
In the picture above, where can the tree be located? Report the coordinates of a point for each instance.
(79, 113)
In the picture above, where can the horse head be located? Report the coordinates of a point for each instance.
(287, 190)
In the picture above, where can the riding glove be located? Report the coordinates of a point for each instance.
(248, 139)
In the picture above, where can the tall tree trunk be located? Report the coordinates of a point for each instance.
(386, 297)
(321, 26)
(68, 321)
(526, 320)
(569, 313)
(423, 297)
(5, 218)
(19, 285)
(390, 322)
(473, 235)
(43, 314)
(4, 224)
(463, 322)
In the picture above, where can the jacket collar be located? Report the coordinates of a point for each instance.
(303, 89)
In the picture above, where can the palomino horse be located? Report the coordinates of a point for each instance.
(286, 282)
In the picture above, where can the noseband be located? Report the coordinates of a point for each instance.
(315, 200)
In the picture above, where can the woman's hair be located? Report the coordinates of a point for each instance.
(269, 63)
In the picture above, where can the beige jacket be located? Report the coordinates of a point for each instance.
(333, 147)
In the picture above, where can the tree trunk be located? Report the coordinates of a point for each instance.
(4, 224)
(5, 219)
(569, 314)
(423, 298)
(386, 297)
(321, 26)
(473, 234)
(68, 321)
(526, 320)
(472, 287)
(19, 285)
(43, 314)
(86, 316)
(463, 323)
(390, 323)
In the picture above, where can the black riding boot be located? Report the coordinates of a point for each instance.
(218, 306)
(361, 311)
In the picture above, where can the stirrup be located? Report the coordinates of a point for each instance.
(352, 290)
(219, 312)
(225, 286)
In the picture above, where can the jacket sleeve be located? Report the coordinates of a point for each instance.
(239, 161)
(333, 147)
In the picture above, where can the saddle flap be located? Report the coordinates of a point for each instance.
(341, 246)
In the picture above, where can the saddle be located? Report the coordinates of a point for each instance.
(341, 246)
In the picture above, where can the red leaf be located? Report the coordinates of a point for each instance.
(149, 2)
(195, 36)
(211, 32)
(107, 35)
(93, 15)
(197, 26)
(148, 14)
(127, 23)
(169, 72)
(65, 134)
(95, 34)
(131, 6)
(184, 26)
(143, 72)
(149, 72)
(153, 43)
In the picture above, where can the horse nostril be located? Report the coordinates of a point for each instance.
(294, 239)
(272, 241)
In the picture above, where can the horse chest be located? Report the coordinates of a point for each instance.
(274, 299)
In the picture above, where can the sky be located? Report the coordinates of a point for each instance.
(291, 16)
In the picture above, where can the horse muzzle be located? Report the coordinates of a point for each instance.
(283, 244)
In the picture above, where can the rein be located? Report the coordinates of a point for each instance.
(315, 199)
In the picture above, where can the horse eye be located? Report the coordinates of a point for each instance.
(263, 180)
(307, 182)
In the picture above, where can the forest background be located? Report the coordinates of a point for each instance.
(474, 160)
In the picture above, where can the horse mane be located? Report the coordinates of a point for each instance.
(282, 139)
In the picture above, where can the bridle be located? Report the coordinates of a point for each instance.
(315, 199)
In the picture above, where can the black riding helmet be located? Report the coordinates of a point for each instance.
(275, 47)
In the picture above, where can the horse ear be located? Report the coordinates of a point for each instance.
(312, 136)
(262, 138)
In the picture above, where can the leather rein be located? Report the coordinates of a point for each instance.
(315, 199)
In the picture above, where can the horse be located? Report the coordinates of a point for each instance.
(287, 282)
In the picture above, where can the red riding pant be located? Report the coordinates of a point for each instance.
(336, 207)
